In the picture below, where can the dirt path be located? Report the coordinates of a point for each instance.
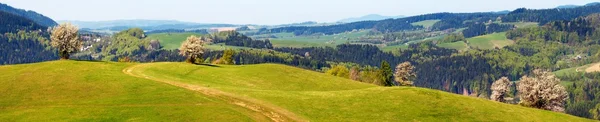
(593, 68)
(271, 111)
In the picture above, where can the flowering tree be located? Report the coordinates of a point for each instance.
(193, 48)
(64, 37)
(499, 89)
(543, 91)
(404, 72)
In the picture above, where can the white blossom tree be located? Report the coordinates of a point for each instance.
(499, 89)
(543, 91)
(64, 37)
(404, 72)
(193, 48)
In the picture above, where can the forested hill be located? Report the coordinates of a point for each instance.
(23, 40)
(544, 16)
(447, 21)
(10, 23)
(38, 18)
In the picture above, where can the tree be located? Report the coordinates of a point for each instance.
(595, 112)
(404, 74)
(543, 91)
(193, 48)
(385, 74)
(65, 38)
(499, 89)
(355, 73)
(227, 58)
(339, 70)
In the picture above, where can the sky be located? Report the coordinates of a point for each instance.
(265, 12)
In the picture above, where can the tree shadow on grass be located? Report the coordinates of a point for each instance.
(85, 60)
(210, 65)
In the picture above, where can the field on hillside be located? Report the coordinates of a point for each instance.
(100, 91)
(317, 97)
(490, 41)
(525, 24)
(460, 45)
(581, 70)
(394, 47)
(171, 41)
(290, 40)
(426, 23)
(299, 44)
(106, 91)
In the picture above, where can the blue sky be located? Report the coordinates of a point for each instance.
(263, 11)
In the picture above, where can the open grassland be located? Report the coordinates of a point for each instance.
(171, 41)
(299, 44)
(525, 24)
(490, 41)
(394, 48)
(426, 23)
(460, 45)
(100, 91)
(578, 71)
(290, 40)
(314, 96)
(105, 91)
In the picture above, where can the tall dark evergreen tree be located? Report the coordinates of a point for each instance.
(386, 74)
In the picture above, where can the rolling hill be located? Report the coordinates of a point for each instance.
(171, 41)
(31, 15)
(107, 91)
(370, 17)
(11, 23)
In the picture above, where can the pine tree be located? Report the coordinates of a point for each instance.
(386, 74)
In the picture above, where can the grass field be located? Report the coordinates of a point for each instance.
(299, 44)
(100, 91)
(290, 40)
(317, 97)
(461, 45)
(394, 48)
(572, 71)
(490, 41)
(105, 91)
(171, 41)
(525, 24)
(426, 23)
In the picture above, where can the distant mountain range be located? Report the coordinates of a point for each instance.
(130, 23)
(370, 17)
(31, 15)
(575, 6)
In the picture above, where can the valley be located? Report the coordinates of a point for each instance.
(215, 93)
(286, 61)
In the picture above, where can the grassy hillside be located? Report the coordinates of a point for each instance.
(290, 40)
(171, 41)
(460, 45)
(426, 23)
(317, 97)
(100, 91)
(104, 91)
(579, 71)
(394, 48)
(525, 24)
(490, 41)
